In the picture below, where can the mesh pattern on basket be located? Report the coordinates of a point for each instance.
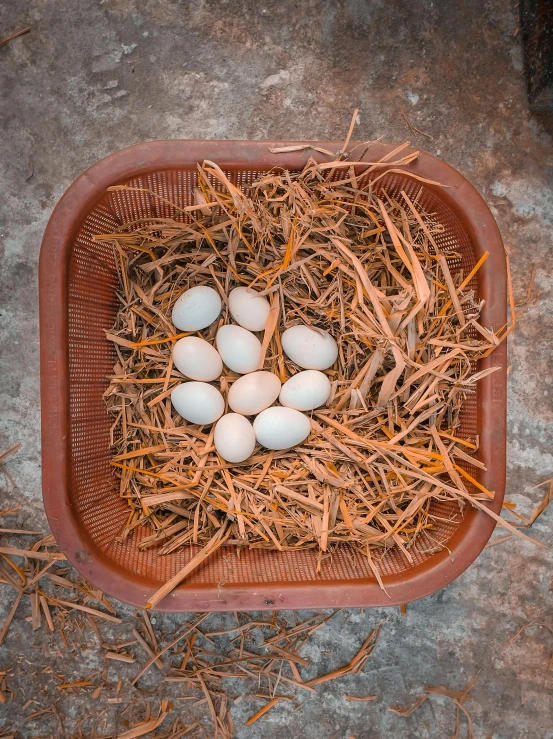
(93, 281)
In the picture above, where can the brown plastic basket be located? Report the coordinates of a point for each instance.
(78, 282)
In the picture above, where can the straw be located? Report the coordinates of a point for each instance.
(337, 252)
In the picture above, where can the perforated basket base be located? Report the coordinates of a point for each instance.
(97, 512)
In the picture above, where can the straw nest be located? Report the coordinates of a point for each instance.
(332, 251)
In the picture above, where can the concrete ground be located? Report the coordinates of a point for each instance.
(92, 77)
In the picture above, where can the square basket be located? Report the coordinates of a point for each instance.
(78, 303)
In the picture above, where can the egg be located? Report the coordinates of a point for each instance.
(308, 348)
(240, 350)
(281, 428)
(248, 308)
(198, 402)
(197, 359)
(305, 391)
(196, 308)
(234, 437)
(254, 392)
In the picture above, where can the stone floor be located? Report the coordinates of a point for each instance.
(92, 77)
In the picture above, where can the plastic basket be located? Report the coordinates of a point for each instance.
(78, 281)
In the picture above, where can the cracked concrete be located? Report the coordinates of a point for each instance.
(94, 77)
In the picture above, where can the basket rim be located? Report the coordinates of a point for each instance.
(78, 200)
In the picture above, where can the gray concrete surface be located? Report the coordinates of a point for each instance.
(94, 76)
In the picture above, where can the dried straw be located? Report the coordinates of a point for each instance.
(334, 252)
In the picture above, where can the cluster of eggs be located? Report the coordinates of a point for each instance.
(252, 394)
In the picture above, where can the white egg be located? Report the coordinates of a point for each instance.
(197, 359)
(234, 437)
(281, 428)
(198, 402)
(305, 391)
(240, 350)
(308, 348)
(248, 308)
(252, 393)
(196, 308)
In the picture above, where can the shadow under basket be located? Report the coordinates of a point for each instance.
(78, 303)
